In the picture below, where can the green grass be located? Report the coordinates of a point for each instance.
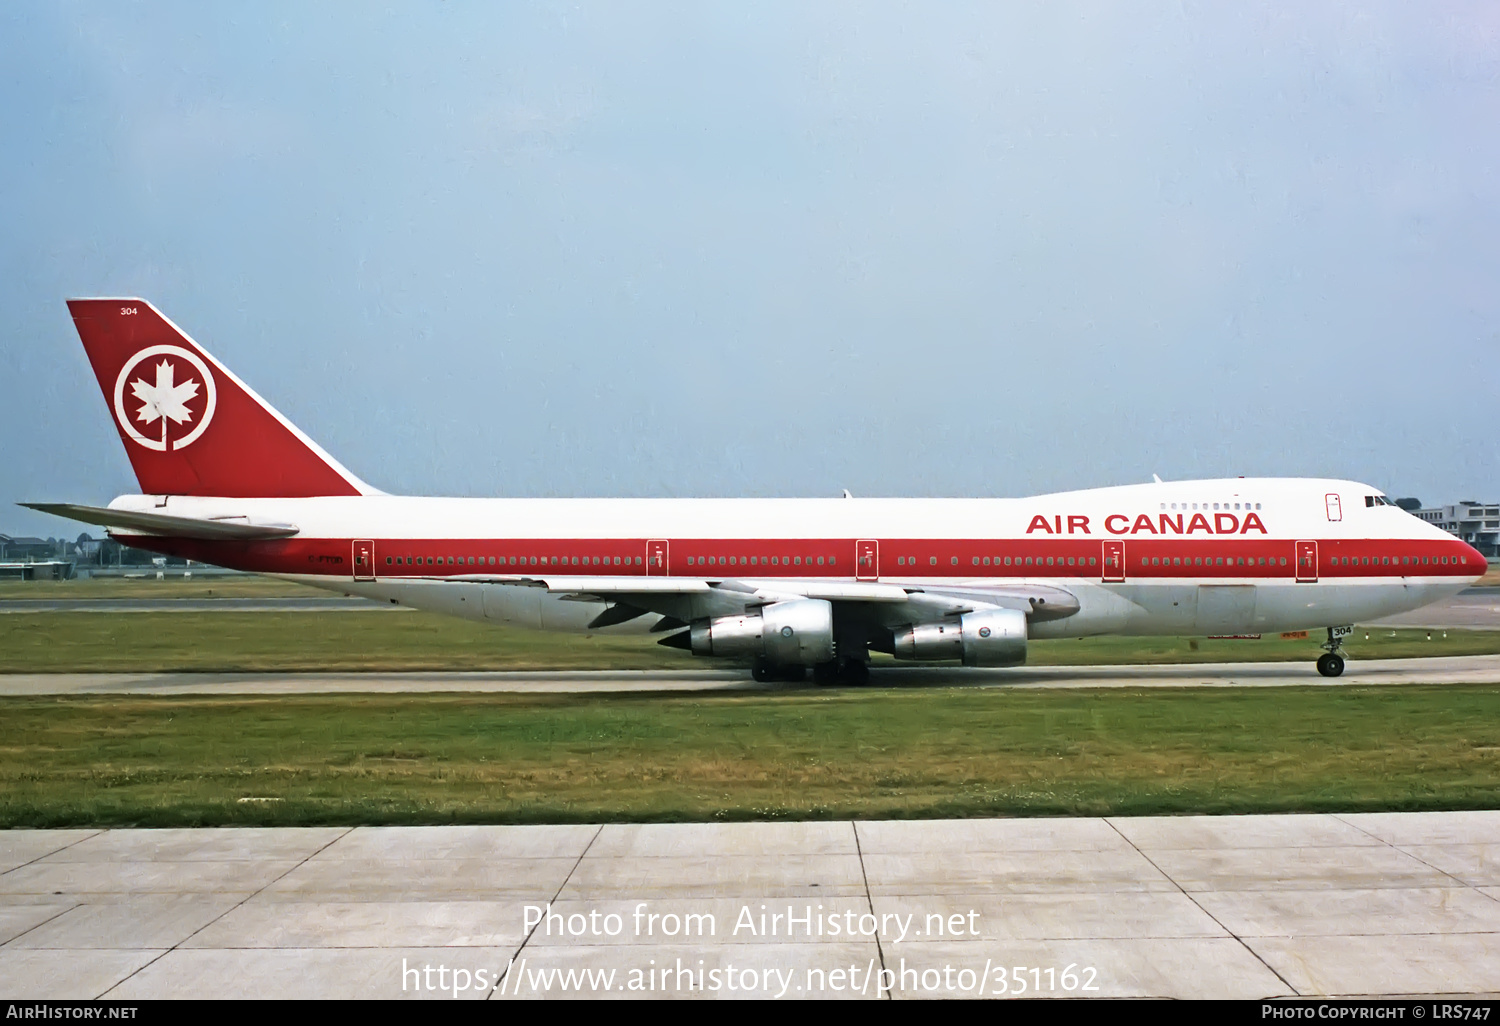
(791, 755)
(393, 641)
(306, 641)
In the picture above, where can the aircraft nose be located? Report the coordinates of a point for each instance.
(1475, 556)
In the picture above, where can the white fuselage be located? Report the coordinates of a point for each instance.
(1231, 556)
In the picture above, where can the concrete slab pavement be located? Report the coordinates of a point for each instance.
(1246, 906)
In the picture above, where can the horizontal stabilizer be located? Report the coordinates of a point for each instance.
(128, 522)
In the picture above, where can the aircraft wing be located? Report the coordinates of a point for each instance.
(603, 587)
(690, 598)
(231, 528)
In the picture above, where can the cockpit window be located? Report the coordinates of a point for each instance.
(1377, 500)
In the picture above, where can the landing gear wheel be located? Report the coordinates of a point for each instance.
(762, 671)
(826, 673)
(794, 674)
(1330, 664)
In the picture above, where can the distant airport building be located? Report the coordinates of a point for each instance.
(50, 570)
(12, 548)
(1477, 523)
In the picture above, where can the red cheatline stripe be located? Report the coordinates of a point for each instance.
(1269, 559)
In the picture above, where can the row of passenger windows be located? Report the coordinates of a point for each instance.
(515, 560)
(1216, 505)
(1007, 561)
(910, 561)
(759, 561)
(1274, 561)
(1213, 561)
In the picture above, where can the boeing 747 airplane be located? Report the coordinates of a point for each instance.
(782, 585)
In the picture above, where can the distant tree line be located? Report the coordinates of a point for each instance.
(83, 550)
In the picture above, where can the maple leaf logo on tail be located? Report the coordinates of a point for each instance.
(164, 401)
(164, 406)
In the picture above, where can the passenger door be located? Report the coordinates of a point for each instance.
(1114, 562)
(1307, 562)
(364, 560)
(656, 558)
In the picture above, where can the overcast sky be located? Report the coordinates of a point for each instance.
(761, 249)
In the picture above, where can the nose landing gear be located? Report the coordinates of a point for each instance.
(1331, 662)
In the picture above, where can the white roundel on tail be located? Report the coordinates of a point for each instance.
(164, 397)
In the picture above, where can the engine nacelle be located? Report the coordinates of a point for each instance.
(799, 632)
(990, 637)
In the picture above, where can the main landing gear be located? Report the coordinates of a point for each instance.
(1331, 662)
(835, 671)
(842, 671)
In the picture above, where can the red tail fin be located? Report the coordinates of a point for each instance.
(189, 426)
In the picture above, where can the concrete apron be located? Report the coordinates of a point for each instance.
(1217, 907)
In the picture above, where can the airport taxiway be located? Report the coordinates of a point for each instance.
(1471, 609)
(310, 604)
(1184, 907)
(1482, 669)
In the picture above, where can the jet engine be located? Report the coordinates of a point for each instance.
(990, 637)
(797, 632)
